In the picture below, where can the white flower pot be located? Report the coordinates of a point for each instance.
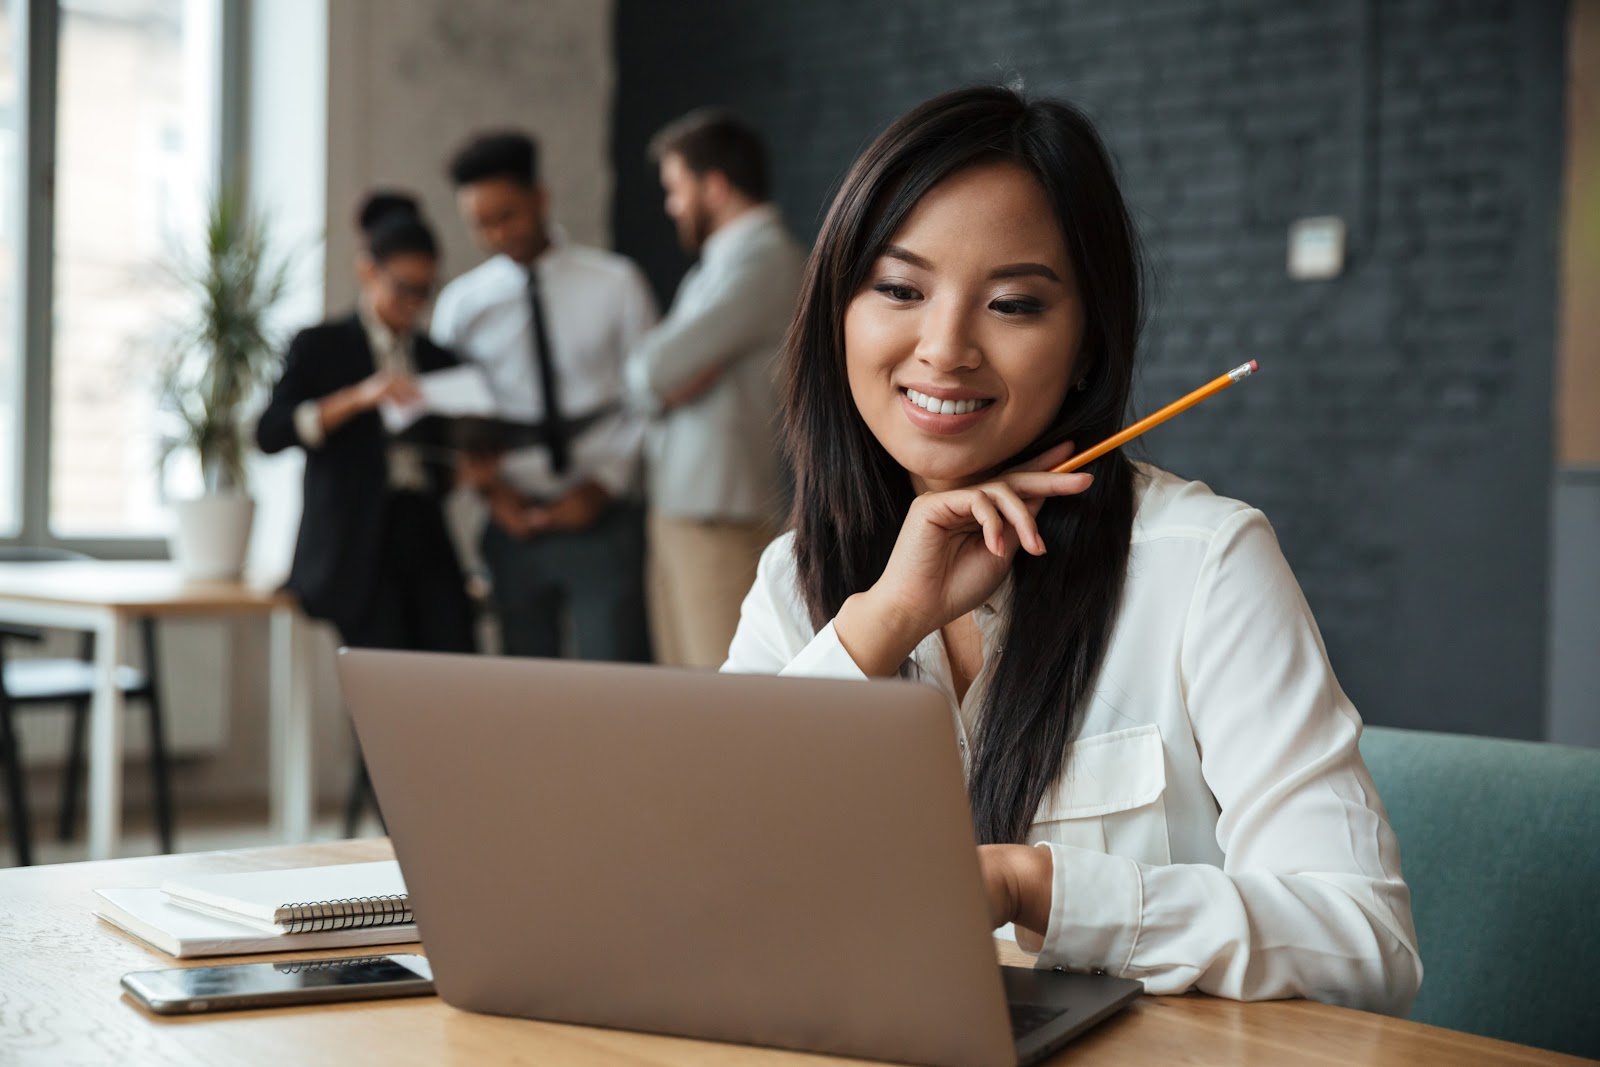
(212, 536)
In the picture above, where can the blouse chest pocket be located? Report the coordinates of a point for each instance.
(1109, 797)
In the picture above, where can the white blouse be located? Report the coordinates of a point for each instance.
(1214, 826)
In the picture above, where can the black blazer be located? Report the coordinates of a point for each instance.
(347, 480)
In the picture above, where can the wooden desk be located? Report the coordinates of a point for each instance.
(60, 1003)
(102, 596)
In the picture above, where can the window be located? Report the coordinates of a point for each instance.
(10, 277)
(137, 103)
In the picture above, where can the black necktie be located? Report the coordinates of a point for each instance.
(544, 363)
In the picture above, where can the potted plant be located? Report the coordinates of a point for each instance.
(216, 356)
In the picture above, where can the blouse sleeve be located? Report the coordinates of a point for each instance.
(774, 634)
(1309, 901)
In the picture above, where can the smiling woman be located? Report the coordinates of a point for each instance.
(963, 343)
(1149, 801)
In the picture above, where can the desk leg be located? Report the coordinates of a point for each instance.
(105, 741)
(291, 727)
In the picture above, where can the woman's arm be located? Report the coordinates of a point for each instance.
(1309, 901)
(275, 430)
(774, 635)
(299, 413)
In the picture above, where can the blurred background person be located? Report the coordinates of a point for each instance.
(550, 321)
(705, 375)
(373, 555)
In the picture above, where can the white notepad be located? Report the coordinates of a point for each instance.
(299, 900)
(147, 914)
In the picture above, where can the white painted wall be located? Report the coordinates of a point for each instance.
(410, 82)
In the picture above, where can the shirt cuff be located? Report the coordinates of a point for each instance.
(1096, 905)
(824, 657)
(308, 423)
(641, 398)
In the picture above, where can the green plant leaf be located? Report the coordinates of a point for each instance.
(214, 357)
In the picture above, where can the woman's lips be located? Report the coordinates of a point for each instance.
(940, 423)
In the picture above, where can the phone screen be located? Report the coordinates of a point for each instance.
(250, 985)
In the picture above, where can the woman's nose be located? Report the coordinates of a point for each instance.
(946, 340)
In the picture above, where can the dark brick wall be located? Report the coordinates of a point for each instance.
(1399, 436)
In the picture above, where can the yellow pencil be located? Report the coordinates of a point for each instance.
(1237, 374)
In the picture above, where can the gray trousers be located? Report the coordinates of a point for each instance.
(592, 577)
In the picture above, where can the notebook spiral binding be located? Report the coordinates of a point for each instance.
(345, 914)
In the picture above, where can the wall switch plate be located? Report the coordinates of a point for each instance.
(1316, 247)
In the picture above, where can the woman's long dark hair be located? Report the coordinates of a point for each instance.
(851, 497)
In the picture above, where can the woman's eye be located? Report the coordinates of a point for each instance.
(1017, 307)
(902, 293)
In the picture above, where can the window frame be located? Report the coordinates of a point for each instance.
(38, 37)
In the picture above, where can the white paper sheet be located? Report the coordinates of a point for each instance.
(462, 390)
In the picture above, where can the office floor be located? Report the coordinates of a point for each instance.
(219, 827)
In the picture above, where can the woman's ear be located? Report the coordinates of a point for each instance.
(366, 269)
(1083, 373)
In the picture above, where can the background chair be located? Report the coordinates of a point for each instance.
(1499, 843)
(40, 682)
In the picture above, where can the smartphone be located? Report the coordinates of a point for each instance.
(184, 990)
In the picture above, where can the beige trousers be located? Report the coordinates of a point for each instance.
(699, 572)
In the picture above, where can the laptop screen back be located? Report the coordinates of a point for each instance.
(757, 859)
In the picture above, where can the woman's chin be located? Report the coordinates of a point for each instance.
(939, 477)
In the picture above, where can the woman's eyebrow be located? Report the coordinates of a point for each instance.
(1010, 270)
(1024, 270)
(905, 255)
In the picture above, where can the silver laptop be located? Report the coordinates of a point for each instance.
(764, 860)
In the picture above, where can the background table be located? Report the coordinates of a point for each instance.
(102, 596)
(60, 1003)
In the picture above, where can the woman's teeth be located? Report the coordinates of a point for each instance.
(945, 407)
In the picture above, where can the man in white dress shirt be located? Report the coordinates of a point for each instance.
(550, 322)
(705, 375)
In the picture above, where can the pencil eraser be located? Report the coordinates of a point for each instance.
(1254, 367)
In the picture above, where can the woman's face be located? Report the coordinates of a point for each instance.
(399, 288)
(963, 342)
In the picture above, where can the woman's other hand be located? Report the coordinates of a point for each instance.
(1018, 881)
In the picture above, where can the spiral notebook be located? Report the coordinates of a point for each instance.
(300, 900)
(147, 913)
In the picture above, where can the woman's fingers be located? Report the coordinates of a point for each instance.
(1004, 509)
(1045, 484)
(1018, 514)
(989, 520)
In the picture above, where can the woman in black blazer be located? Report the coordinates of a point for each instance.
(373, 556)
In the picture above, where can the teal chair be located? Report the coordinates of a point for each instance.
(1500, 843)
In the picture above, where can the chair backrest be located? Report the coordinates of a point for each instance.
(1500, 844)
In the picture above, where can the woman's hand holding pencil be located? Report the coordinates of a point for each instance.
(956, 546)
(954, 549)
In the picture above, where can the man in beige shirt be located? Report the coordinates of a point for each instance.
(705, 376)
